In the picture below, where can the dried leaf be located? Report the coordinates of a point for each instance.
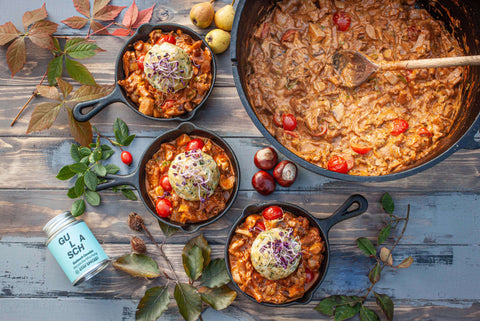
(82, 6)
(81, 132)
(49, 92)
(131, 15)
(144, 16)
(8, 32)
(188, 300)
(98, 28)
(367, 314)
(139, 265)
(387, 203)
(153, 304)
(405, 263)
(54, 70)
(86, 92)
(43, 116)
(386, 304)
(366, 246)
(65, 87)
(386, 256)
(79, 72)
(30, 17)
(219, 298)
(375, 273)
(121, 32)
(215, 274)
(108, 13)
(41, 34)
(99, 5)
(75, 22)
(16, 55)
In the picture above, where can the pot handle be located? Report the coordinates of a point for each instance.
(98, 104)
(117, 180)
(344, 212)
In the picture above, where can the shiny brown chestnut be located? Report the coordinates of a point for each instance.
(263, 182)
(285, 173)
(266, 158)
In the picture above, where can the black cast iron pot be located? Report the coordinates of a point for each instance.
(137, 178)
(353, 206)
(118, 94)
(462, 18)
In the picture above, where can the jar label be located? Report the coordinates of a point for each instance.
(76, 250)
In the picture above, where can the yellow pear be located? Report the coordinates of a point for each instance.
(218, 40)
(224, 17)
(202, 14)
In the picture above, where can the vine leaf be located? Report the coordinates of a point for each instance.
(387, 203)
(16, 55)
(139, 265)
(215, 274)
(367, 314)
(33, 16)
(386, 304)
(189, 301)
(218, 298)
(81, 132)
(366, 246)
(133, 19)
(375, 273)
(43, 116)
(153, 304)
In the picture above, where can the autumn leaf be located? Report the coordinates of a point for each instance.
(131, 15)
(16, 55)
(33, 16)
(133, 19)
(144, 16)
(8, 32)
(81, 131)
(43, 116)
(40, 33)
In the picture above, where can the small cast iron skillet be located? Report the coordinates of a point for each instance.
(344, 212)
(118, 94)
(137, 179)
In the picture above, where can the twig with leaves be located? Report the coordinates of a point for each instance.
(342, 307)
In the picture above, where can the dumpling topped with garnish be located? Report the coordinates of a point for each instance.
(275, 253)
(194, 175)
(167, 67)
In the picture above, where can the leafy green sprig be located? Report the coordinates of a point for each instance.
(89, 170)
(343, 307)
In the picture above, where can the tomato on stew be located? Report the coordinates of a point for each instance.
(272, 213)
(163, 207)
(140, 61)
(167, 104)
(399, 126)
(165, 183)
(196, 143)
(167, 38)
(362, 150)
(260, 226)
(289, 35)
(289, 122)
(424, 132)
(338, 164)
(342, 20)
(309, 276)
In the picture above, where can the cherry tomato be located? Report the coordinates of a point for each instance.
(362, 150)
(164, 207)
(167, 38)
(289, 35)
(399, 126)
(126, 157)
(140, 61)
(260, 225)
(289, 122)
(272, 213)
(196, 143)
(165, 183)
(309, 276)
(338, 164)
(321, 131)
(263, 182)
(424, 132)
(342, 20)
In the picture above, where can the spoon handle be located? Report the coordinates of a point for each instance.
(431, 63)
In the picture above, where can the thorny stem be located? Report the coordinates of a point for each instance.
(34, 93)
(105, 137)
(104, 28)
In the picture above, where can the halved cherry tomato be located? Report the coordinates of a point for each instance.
(165, 183)
(309, 276)
(362, 150)
(288, 36)
(140, 61)
(294, 134)
(338, 164)
(164, 207)
(424, 132)
(322, 131)
(342, 20)
(196, 143)
(289, 122)
(399, 126)
(167, 104)
(272, 213)
(277, 119)
(260, 226)
(167, 38)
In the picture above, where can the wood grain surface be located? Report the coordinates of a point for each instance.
(443, 235)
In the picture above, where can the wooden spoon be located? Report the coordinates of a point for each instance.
(354, 67)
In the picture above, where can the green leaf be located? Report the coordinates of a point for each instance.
(100, 170)
(120, 129)
(93, 198)
(65, 173)
(111, 169)
(84, 160)
(215, 274)
(326, 306)
(79, 72)
(128, 193)
(384, 234)
(82, 50)
(367, 314)
(105, 147)
(375, 273)
(84, 151)
(54, 70)
(71, 193)
(43, 116)
(201, 243)
(386, 304)
(73, 42)
(106, 154)
(91, 180)
(188, 300)
(97, 155)
(167, 229)
(75, 153)
(387, 203)
(366, 246)
(153, 304)
(343, 312)
(193, 262)
(128, 140)
(138, 265)
(78, 207)
(219, 298)
(80, 185)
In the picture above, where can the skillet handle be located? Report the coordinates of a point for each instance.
(97, 104)
(344, 212)
(117, 180)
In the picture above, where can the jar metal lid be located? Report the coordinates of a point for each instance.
(58, 222)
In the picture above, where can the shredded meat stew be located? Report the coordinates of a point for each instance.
(379, 127)
(153, 102)
(287, 289)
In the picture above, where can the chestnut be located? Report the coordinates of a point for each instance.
(263, 182)
(285, 173)
(266, 158)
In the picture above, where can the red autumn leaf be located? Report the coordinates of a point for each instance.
(49, 92)
(8, 32)
(41, 33)
(82, 6)
(108, 13)
(144, 16)
(16, 55)
(75, 22)
(43, 116)
(30, 17)
(81, 132)
(121, 32)
(131, 15)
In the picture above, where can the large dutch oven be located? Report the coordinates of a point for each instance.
(460, 17)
